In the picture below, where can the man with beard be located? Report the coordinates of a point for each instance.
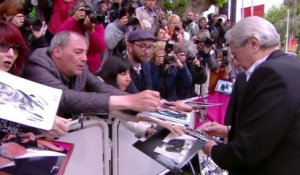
(189, 24)
(139, 47)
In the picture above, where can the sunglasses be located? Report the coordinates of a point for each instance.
(4, 47)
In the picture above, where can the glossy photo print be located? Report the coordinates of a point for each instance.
(27, 102)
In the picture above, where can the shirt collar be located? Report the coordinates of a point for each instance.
(138, 68)
(252, 68)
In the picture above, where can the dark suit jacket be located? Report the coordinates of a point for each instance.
(265, 136)
(140, 82)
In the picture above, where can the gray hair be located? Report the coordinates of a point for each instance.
(255, 27)
(62, 39)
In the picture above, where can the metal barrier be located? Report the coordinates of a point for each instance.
(89, 133)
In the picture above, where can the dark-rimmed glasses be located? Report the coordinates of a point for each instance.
(4, 47)
(144, 47)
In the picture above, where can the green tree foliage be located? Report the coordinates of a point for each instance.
(181, 6)
(277, 15)
(220, 3)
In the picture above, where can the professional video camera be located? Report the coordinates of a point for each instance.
(224, 60)
(205, 41)
(36, 24)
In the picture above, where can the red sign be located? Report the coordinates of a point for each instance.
(258, 10)
(292, 44)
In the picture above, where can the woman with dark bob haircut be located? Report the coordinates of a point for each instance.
(113, 69)
(10, 37)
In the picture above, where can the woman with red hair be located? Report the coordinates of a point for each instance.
(13, 54)
(13, 49)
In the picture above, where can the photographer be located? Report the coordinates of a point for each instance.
(149, 13)
(167, 70)
(175, 31)
(218, 31)
(202, 64)
(223, 70)
(17, 13)
(84, 21)
(161, 34)
(115, 34)
(189, 24)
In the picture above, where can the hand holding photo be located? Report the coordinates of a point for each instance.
(224, 86)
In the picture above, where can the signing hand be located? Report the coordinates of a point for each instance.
(214, 129)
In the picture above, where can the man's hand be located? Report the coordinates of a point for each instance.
(214, 129)
(17, 20)
(90, 27)
(60, 128)
(176, 130)
(147, 100)
(144, 101)
(41, 32)
(207, 147)
(181, 106)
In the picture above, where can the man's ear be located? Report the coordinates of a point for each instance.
(57, 52)
(255, 45)
(130, 47)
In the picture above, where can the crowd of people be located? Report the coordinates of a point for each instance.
(129, 56)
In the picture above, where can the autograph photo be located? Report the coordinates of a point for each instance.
(175, 147)
(27, 102)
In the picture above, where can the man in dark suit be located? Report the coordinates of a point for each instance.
(264, 131)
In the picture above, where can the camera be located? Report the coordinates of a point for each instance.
(36, 24)
(134, 21)
(224, 60)
(93, 16)
(169, 59)
(97, 18)
(174, 36)
(205, 41)
(170, 44)
(114, 11)
(190, 56)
